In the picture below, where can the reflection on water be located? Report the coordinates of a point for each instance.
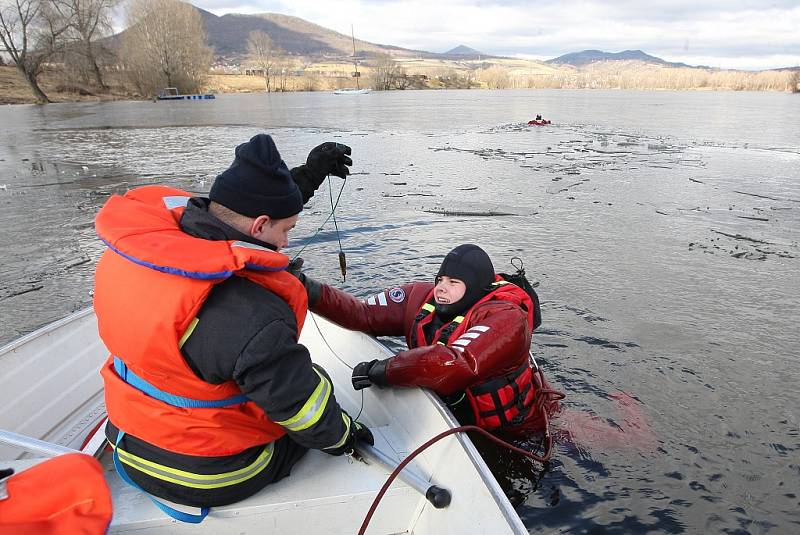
(663, 233)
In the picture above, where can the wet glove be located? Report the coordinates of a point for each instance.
(358, 431)
(327, 159)
(366, 374)
(313, 288)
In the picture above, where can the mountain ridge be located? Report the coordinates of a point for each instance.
(463, 50)
(227, 35)
(586, 57)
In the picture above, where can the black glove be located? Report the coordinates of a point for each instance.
(295, 268)
(313, 288)
(366, 374)
(358, 431)
(327, 159)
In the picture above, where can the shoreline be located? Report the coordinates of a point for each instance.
(14, 89)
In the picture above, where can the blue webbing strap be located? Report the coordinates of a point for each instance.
(174, 513)
(176, 401)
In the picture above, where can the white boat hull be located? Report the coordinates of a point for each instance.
(352, 91)
(50, 389)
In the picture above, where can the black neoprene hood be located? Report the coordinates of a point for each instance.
(470, 264)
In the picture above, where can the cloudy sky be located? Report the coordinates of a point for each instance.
(734, 34)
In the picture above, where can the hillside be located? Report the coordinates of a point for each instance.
(463, 50)
(587, 57)
(295, 36)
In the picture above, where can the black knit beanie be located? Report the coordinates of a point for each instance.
(470, 264)
(258, 182)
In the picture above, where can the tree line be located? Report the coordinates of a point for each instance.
(609, 76)
(164, 44)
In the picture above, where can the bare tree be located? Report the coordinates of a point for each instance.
(264, 55)
(283, 70)
(165, 46)
(88, 21)
(387, 74)
(496, 77)
(309, 82)
(31, 31)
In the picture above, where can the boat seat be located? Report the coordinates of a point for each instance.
(324, 494)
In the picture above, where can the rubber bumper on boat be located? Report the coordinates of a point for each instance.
(439, 497)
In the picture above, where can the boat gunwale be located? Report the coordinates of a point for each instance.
(45, 329)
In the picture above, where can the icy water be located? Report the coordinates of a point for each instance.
(664, 229)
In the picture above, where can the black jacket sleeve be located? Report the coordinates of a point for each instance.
(277, 374)
(249, 335)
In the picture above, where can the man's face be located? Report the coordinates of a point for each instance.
(276, 231)
(448, 291)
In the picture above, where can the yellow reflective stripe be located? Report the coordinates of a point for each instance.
(188, 332)
(429, 307)
(313, 408)
(344, 438)
(458, 319)
(199, 481)
(500, 283)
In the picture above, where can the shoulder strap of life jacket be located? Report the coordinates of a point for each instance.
(519, 279)
(425, 316)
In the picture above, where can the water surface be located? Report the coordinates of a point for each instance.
(662, 226)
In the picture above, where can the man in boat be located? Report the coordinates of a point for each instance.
(469, 336)
(210, 396)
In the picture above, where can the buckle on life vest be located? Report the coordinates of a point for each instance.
(503, 401)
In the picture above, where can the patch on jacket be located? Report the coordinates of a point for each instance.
(397, 295)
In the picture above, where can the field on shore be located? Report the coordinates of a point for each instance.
(58, 87)
(422, 73)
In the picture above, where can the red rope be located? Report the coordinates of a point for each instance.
(542, 397)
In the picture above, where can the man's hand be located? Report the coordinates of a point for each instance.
(295, 268)
(366, 374)
(313, 288)
(358, 431)
(327, 159)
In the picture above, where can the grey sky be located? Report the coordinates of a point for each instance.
(734, 34)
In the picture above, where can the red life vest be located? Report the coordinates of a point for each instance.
(149, 287)
(501, 401)
(61, 496)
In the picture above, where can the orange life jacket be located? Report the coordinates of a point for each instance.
(65, 495)
(501, 401)
(149, 288)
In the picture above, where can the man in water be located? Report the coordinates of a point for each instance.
(468, 333)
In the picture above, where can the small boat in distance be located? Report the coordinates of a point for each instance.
(172, 93)
(352, 91)
(357, 90)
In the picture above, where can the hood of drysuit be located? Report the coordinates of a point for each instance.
(471, 265)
